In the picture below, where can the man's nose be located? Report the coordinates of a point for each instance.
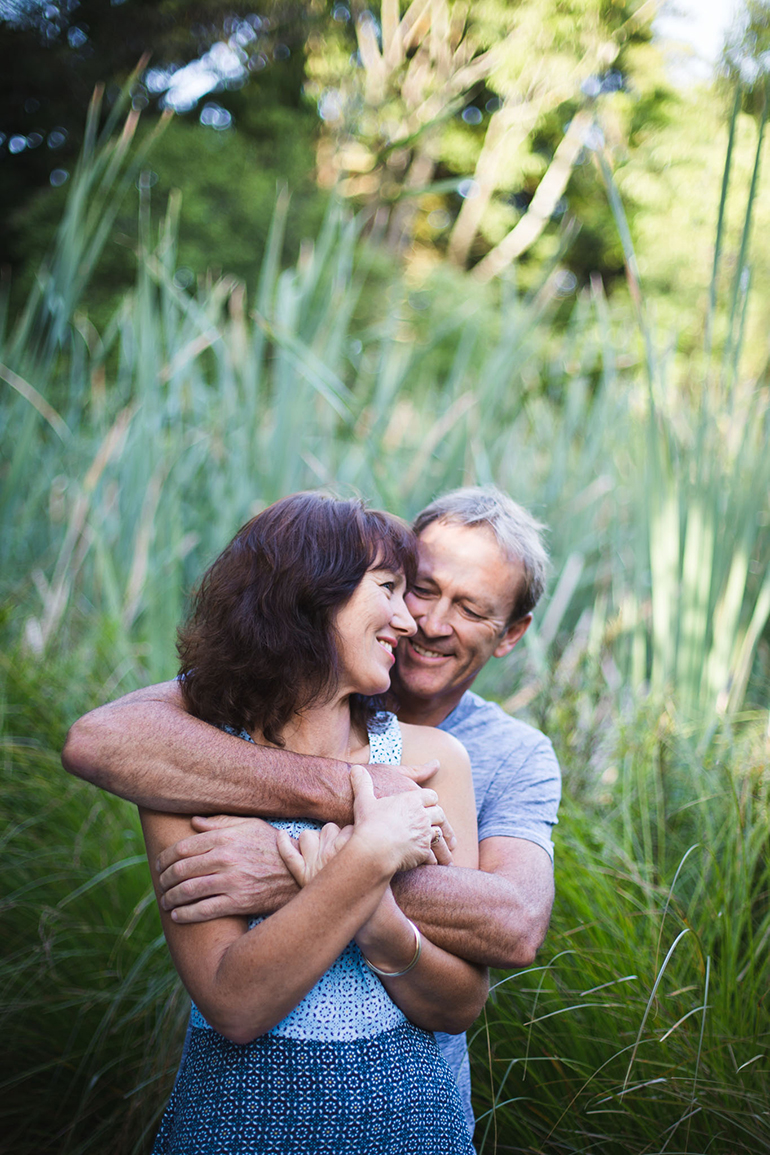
(435, 622)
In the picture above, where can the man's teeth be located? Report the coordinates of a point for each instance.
(426, 653)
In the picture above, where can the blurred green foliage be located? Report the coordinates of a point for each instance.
(140, 429)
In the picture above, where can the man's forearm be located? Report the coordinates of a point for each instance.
(481, 917)
(146, 748)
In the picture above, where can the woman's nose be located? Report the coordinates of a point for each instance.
(402, 620)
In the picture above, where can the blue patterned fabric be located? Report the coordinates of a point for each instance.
(344, 1072)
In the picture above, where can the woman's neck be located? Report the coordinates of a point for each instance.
(325, 732)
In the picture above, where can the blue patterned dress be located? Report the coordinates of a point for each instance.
(345, 1073)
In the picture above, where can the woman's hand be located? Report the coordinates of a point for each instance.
(399, 827)
(404, 828)
(314, 849)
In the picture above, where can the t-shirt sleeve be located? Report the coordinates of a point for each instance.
(523, 797)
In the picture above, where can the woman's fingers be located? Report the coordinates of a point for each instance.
(412, 824)
(439, 848)
(363, 791)
(313, 850)
(438, 817)
(343, 836)
(292, 858)
(328, 843)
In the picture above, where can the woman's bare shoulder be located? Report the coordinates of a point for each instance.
(421, 743)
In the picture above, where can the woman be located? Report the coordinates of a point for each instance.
(310, 1028)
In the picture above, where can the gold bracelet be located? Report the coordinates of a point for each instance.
(413, 963)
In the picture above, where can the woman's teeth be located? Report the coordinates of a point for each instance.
(386, 645)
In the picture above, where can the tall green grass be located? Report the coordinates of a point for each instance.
(130, 455)
(644, 1026)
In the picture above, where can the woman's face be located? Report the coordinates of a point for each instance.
(368, 627)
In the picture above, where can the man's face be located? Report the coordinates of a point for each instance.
(461, 602)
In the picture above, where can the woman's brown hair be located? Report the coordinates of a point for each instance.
(259, 643)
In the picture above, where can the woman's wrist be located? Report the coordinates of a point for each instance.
(391, 974)
(377, 851)
(387, 939)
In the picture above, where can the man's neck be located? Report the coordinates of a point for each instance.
(425, 711)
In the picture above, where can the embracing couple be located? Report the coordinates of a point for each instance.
(322, 952)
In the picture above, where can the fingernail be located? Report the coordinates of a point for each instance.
(175, 916)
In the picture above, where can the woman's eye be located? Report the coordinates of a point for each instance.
(391, 585)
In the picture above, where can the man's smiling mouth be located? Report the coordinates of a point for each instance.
(424, 652)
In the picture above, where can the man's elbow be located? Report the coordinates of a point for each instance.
(519, 943)
(80, 753)
(459, 1013)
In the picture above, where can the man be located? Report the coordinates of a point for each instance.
(481, 572)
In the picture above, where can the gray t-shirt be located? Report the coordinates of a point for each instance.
(517, 784)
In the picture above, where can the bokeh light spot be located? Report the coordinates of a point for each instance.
(330, 105)
(214, 116)
(76, 37)
(469, 189)
(472, 115)
(566, 282)
(58, 177)
(183, 277)
(439, 219)
(591, 86)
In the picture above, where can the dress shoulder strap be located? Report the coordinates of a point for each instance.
(385, 741)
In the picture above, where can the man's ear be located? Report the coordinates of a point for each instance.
(515, 631)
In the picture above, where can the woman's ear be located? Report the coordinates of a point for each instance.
(513, 633)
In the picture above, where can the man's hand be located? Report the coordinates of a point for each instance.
(231, 867)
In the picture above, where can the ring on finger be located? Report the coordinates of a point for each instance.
(436, 835)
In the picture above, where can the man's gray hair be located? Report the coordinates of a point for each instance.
(517, 533)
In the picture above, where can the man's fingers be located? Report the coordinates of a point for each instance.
(192, 847)
(191, 890)
(216, 821)
(421, 773)
(202, 911)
